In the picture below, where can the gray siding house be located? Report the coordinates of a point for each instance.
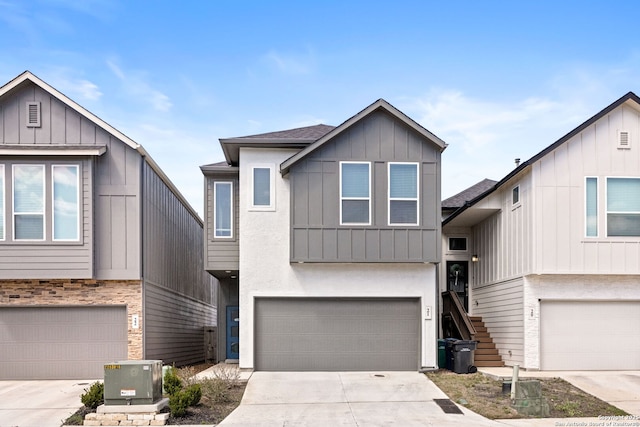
(100, 254)
(325, 241)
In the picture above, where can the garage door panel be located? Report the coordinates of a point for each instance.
(60, 342)
(297, 334)
(590, 335)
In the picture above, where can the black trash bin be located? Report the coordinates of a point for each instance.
(448, 351)
(462, 352)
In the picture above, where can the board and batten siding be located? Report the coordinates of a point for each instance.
(560, 199)
(316, 233)
(501, 306)
(179, 295)
(503, 241)
(221, 253)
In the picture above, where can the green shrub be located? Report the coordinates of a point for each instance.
(194, 393)
(178, 403)
(93, 396)
(172, 382)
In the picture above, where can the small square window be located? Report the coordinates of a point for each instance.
(457, 243)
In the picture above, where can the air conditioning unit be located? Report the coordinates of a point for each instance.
(133, 382)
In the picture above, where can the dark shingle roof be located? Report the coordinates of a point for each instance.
(470, 193)
(307, 132)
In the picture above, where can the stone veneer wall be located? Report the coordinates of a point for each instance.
(68, 292)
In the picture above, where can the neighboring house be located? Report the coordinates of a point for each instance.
(326, 243)
(100, 254)
(557, 248)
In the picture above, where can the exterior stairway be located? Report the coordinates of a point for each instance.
(486, 354)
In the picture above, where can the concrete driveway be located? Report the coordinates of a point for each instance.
(39, 403)
(345, 399)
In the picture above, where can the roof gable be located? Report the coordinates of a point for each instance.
(380, 104)
(629, 98)
(28, 77)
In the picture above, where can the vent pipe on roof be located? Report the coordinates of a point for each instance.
(517, 162)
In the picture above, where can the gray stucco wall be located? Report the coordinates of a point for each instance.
(316, 233)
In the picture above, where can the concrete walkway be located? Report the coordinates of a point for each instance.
(346, 399)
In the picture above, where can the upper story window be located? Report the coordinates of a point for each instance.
(42, 198)
(355, 193)
(28, 202)
(262, 184)
(66, 209)
(591, 207)
(223, 209)
(515, 195)
(403, 194)
(623, 207)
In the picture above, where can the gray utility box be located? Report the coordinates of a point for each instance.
(133, 382)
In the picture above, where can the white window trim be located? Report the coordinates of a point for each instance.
(368, 198)
(272, 188)
(416, 199)
(78, 198)
(597, 207)
(606, 208)
(3, 198)
(44, 203)
(519, 201)
(215, 228)
(458, 250)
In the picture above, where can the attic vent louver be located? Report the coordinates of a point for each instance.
(624, 139)
(33, 114)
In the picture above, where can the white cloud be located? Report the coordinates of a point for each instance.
(291, 63)
(136, 85)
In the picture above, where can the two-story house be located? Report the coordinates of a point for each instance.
(100, 254)
(554, 249)
(326, 242)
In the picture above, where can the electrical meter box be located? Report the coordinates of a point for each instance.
(133, 382)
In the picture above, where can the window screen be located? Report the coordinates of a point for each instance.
(355, 193)
(623, 206)
(403, 193)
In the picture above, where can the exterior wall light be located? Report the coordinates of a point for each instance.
(474, 258)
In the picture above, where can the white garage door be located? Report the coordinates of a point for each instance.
(595, 335)
(336, 334)
(60, 342)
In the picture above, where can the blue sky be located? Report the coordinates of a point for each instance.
(496, 80)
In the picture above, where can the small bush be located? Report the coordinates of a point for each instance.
(194, 393)
(230, 375)
(216, 390)
(172, 382)
(178, 403)
(93, 396)
(188, 375)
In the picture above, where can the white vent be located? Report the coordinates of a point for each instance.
(33, 114)
(624, 139)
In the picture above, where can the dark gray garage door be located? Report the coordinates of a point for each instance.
(60, 342)
(323, 334)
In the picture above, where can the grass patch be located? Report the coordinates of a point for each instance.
(484, 396)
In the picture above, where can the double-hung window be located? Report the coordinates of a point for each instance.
(355, 193)
(623, 207)
(223, 209)
(262, 184)
(403, 194)
(28, 202)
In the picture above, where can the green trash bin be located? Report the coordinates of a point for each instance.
(442, 354)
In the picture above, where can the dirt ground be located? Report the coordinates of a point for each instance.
(484, 396)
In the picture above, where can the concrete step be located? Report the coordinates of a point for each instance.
(488, 363)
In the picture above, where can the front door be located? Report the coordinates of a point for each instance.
(233, 332)
(458, 281)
